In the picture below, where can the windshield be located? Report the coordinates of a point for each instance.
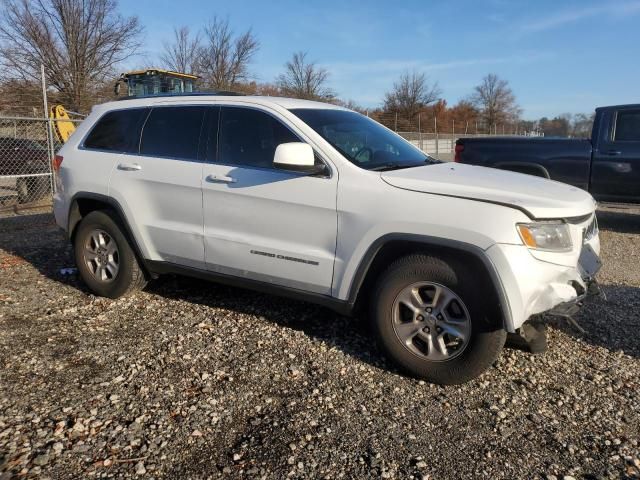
(363, 141)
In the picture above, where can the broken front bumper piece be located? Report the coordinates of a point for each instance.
(532, 336)
(568, 309)
(588, 265)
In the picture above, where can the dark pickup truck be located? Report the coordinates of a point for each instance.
(608, 165)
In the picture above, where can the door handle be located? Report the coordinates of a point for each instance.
(613, 153)
(129, 167)
(220, 179)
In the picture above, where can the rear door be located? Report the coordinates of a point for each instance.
(260, 222)
(161, 186)
(615, 172)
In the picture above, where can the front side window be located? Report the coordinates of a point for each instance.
(627, 126)
(249, 137)
(173, 132)
(363, 141)
(117, 131)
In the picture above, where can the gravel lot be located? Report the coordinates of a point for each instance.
(192, 379)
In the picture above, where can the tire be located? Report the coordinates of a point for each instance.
(439, 358)
(107, 272)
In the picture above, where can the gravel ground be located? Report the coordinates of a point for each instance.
(192, 379)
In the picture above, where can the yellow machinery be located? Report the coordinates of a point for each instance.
(155, 81)
(139, 83)
(63, 127)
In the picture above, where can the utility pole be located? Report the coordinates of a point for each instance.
(453, 135)
(435, 129)
(47, 121)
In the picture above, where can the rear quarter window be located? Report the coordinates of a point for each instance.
(117, 131)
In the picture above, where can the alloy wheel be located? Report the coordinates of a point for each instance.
(431, 321)
(101, 255)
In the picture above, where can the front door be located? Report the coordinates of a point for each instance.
(260, 222)
(615, 172)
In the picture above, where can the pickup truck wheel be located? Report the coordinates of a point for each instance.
(429, 317)
(106, 262)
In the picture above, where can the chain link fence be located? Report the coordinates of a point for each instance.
(438, 145)
(27, 146)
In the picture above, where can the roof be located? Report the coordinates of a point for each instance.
(619, 107)
(288, 103)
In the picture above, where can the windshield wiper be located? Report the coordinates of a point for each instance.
(385, 166)
(393, 166)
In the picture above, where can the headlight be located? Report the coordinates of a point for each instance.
(546, 236)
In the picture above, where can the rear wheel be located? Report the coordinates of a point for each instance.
(106, 262)
(430, 318)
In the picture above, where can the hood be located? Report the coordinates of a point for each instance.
(536, 196)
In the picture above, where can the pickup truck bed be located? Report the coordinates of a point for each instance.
(608, 166)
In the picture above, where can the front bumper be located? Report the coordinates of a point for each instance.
(533, 286)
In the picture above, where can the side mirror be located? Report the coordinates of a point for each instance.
(296, 157)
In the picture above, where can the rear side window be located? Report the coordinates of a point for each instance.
(628, 126)
(250, 137)
(117, 131)
(173, 132)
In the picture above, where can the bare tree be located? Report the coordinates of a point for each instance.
(303, 79)
(582, 124)
(411, 93)
(224, 60)
(79, 42)
(183, 54)
(351, 105)
(496, 101)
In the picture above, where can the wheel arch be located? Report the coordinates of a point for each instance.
(84, 203)
(389, 247)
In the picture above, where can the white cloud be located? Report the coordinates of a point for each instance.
(394, 66)
(576, 14)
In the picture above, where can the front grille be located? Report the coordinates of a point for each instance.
(591, 230)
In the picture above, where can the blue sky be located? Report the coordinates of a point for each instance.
(558, 56)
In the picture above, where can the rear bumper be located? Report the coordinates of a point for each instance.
(60, 210)
(533, 286)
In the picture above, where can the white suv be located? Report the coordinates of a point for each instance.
(320, 203)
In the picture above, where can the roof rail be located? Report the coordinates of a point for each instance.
(221, 93)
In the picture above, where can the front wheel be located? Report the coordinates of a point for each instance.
(106, 262)
(429, 317)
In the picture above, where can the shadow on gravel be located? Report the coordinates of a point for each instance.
(619, 221)
(36, 239)
(349, 335)
(613, 323)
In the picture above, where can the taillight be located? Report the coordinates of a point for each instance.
(57, 161)
(459, 150)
